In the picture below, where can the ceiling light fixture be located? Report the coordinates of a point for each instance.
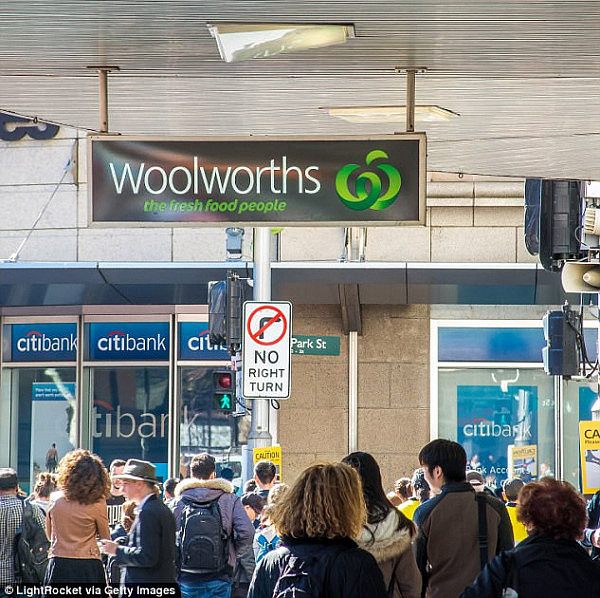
(244, 41)
(387, 114)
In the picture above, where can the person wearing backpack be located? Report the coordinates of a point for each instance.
(12, 515)
(317, 520)
(213, 530)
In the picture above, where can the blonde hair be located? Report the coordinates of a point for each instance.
(325, 501)
(276, 493)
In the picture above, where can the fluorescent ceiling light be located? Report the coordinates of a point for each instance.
(387, 114)
(243, 41)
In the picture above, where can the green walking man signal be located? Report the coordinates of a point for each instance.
(224, 390)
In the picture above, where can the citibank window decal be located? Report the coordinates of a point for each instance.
(489, 419)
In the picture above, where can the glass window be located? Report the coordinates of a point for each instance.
(203, 426)
(43, 412)
(488, 410)
(130, 414)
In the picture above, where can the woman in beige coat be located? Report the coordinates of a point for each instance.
(388, 534)
(77, 519)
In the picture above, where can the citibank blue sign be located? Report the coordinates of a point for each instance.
(194, 342)
(43, 342)
(129, 341)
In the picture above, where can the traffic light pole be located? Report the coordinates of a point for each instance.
(260, 435)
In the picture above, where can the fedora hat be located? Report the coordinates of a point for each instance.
(138, 470)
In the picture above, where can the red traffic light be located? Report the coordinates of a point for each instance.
(223, 380)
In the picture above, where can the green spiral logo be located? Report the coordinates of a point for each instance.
(368, 184)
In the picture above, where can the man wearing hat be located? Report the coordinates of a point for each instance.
(149, 557)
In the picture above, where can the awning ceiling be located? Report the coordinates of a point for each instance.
(524, 76)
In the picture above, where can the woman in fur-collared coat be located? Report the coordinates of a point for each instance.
(388, 534)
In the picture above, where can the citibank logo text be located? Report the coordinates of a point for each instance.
(38, 342)
(117, 341)
(484, 428)
(202, 343)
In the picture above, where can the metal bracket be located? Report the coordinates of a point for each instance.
(103, 93)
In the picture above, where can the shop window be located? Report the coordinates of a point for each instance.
(203, 428)
(488, 410)
(130, 414)
(41, 419)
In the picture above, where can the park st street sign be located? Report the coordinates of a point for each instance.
(267, 181)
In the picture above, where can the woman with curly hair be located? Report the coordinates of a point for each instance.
(317, 519)
(387, 534)
(76, 519)
(550, 562)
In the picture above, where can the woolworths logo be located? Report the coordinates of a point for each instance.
(368, 185)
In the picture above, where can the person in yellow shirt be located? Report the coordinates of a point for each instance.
(420, 493)
(510, 490)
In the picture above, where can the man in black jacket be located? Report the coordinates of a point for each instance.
(447, 546)
(149, 557)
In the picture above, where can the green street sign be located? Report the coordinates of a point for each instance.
(315, 345)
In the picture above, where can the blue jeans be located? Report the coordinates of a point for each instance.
(206, 589)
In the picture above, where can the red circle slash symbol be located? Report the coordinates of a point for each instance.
(265, 323)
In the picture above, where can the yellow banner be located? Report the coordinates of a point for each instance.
(272, 453)
(589, 450)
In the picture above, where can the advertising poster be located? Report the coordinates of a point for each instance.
(589, 449)
(491, 419)
(522, 462)
(52, 425)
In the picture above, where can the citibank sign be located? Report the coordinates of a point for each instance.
(195, 344)
(42, 342)
(129, 341)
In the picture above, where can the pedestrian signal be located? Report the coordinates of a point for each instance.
(224, 390)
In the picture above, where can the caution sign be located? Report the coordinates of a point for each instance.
(271, 453)
(266, 350)
(589, 447)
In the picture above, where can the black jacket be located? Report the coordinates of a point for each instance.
(545, 568)
(149, 556)
(353, 574)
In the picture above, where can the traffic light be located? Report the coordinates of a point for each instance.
(224, 390)
(217, 303)
(561, 353)
(559, 222)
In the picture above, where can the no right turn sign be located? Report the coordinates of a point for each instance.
(266, 350)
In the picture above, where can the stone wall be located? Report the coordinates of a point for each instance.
(393, 391)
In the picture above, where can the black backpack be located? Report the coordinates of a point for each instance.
(31, 548)
(202, 541)
(306, 577)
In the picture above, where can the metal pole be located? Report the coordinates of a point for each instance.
(103, 77)
(410, 100)
(259, 423)
(103, 93)
(352, 391)
(558, 428)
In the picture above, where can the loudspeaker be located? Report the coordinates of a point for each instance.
(581, 277)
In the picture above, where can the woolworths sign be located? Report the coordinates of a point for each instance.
(262, 181)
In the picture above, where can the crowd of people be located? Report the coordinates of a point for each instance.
(334, 532)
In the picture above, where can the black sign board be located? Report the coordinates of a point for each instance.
(266, 181)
